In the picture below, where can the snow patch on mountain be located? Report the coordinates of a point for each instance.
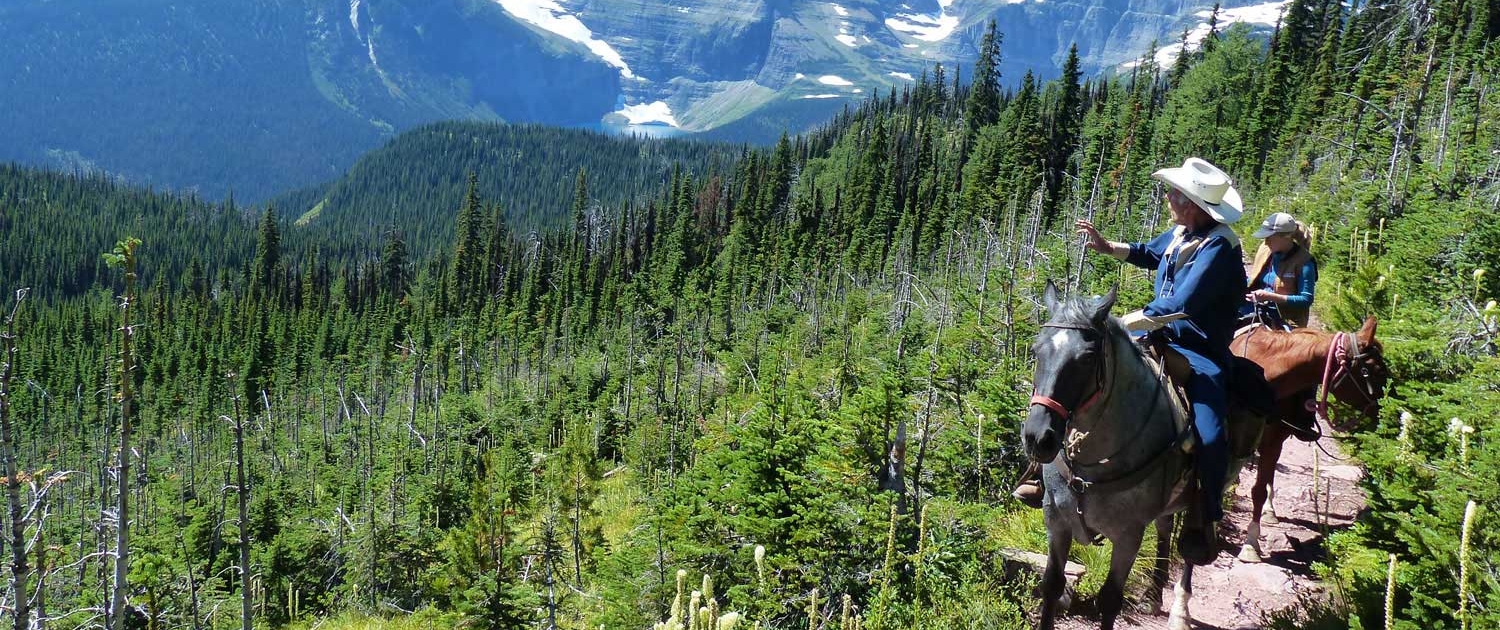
(847, 39)
(1267, 14)
(831, 79)
(550, 16)
(925, 27)
(839, 10)
(646, 113)
(821, 96)
(354, 16)
(904, 76)
(1263, 14)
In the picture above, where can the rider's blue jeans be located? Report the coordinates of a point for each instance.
(1208, 389)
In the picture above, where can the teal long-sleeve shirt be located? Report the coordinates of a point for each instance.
(1307, 280)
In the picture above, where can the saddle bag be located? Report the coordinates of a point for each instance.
(1249, 390)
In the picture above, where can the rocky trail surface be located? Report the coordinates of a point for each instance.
(1234, 595)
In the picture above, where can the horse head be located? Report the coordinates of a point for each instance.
(1070, 358)
(1361, 374)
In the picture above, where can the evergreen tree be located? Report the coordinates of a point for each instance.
(466, 288)
(983, 106)
(484, 556)
(1063, 123)
(393, 266)
(263, 278)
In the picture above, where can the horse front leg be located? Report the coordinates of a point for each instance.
(1180, 618)
(1054, 583)
(1112, 594)
(1261, 495)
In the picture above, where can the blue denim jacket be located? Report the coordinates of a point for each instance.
(1208, 286)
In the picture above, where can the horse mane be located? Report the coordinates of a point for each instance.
(1075, 311)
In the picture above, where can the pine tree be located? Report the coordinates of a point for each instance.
(579, 487)
(484, 556)
(1211, 40)
(983, 107)
(1063, 128)
(466, 282)
(263, 277)
(393, 262)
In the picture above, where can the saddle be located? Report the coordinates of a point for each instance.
(1173, 370)
(1248, 390)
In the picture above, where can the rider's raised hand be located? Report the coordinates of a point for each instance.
(1096, 241)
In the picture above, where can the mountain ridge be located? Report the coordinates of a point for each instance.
(256, 100)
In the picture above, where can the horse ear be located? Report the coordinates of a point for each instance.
(1103, 304)
(1367, 331)
(1049, 297)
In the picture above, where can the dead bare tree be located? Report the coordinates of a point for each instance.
(123, 257)
(36, 511)
(20, 570)
(243, 491)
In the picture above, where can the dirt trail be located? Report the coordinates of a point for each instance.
(1232, 595)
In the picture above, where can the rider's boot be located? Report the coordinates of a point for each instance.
(1198, 542)
(1029, 491)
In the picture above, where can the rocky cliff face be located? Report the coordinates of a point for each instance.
(258, 97)
(684, 58)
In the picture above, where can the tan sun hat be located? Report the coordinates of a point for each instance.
(1207, 186)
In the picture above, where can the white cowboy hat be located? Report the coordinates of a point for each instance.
(1207, 186)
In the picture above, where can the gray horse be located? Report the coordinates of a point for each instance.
(1104, 425)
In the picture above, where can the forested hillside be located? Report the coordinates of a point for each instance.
(247, 99)
(415, 182)
(781, 390)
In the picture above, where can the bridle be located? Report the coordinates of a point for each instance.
(1062, 411)
(1065, 461)
(1344, 351)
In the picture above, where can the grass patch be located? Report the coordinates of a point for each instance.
(728, 101)
(307, 217)
(1026, 529)
(423, 620)
(618, 506)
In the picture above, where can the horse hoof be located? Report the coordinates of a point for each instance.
(1269, 518)
(1249, 555)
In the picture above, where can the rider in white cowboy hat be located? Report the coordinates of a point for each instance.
(1198, 273)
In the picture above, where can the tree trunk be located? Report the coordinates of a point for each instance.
(244, 504)
(117, 611)
(20, 571)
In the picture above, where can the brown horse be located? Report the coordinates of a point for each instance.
(1349, 366)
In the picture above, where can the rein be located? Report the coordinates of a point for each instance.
(1343, 350)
